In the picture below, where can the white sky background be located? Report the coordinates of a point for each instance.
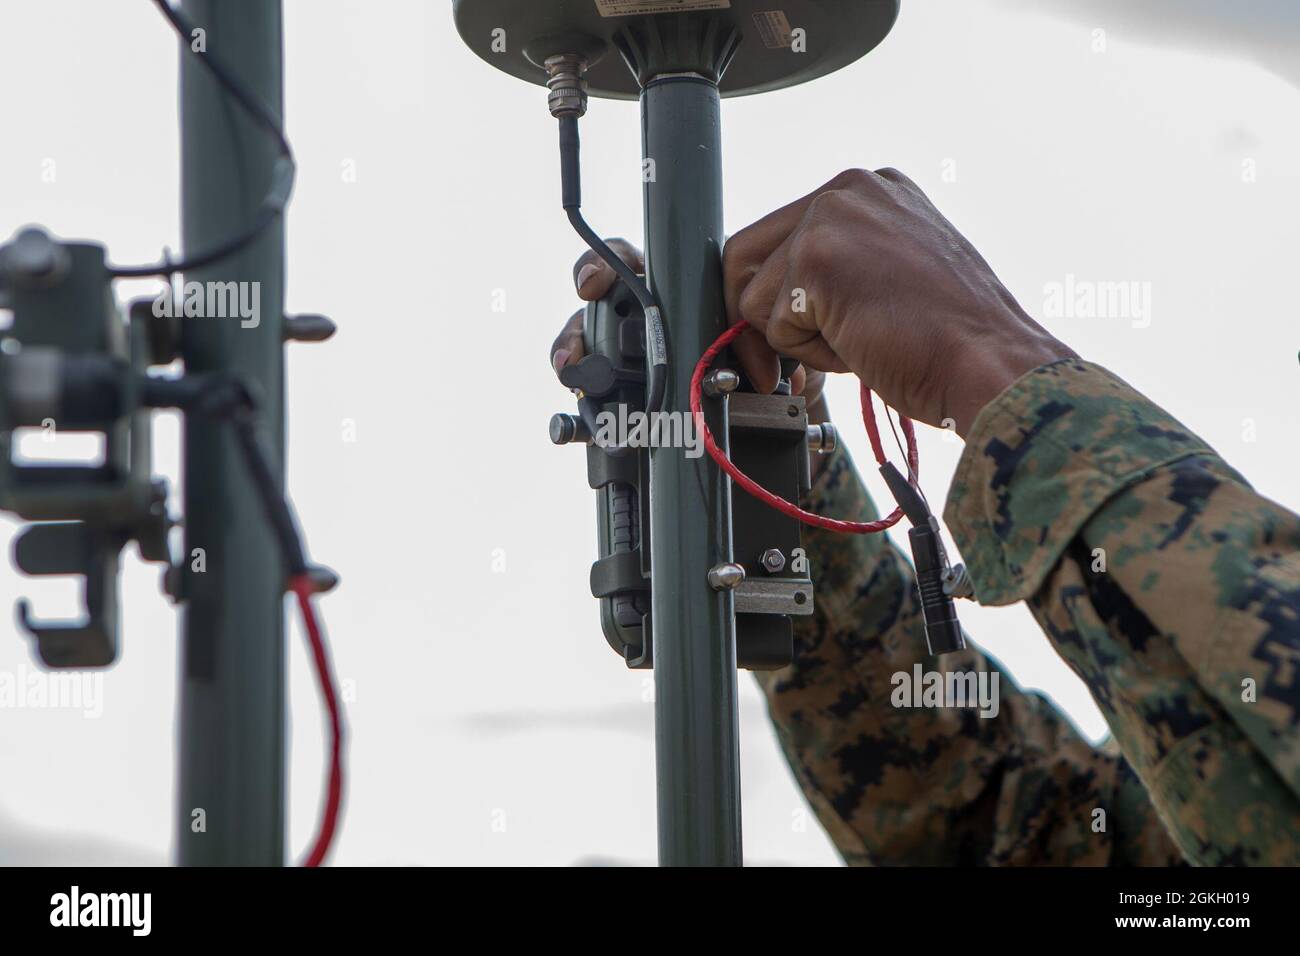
(477, 693)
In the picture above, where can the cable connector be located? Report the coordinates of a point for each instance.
(943, 631)
(568, 102)
(568, 85)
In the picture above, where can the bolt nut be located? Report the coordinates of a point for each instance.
(720, 381)
(726, 577)
(568, 96)
(773, 561)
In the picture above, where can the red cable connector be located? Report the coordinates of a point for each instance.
(776, 501)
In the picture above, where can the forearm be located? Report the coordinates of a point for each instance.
(931, 785)
(1164, 581)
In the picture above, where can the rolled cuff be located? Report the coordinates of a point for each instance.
(1041, 459)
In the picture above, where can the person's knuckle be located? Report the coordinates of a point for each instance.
(571, 329)
(897, 178)
(738, 254)
(855, 178)
(810, 248)
(785, 338)
(749, 306)
(829, 208)
(624, 250)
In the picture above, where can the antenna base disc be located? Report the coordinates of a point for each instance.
(516, 35)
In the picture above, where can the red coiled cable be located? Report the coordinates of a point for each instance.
(304, 587)
(776, 501)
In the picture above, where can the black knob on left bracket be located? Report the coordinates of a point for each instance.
(594, 375)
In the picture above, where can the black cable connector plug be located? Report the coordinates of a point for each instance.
(656, 346)
(943, 631)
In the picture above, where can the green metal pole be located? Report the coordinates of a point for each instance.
(696, 738)
(232, 692)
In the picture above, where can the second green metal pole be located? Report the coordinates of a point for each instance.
(696, 739)
(232, 691)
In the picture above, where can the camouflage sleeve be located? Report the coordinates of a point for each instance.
(896, 784)
(1166, 583)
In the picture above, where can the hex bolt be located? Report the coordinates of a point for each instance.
(720, 381)
(726, 577)
(773, 561)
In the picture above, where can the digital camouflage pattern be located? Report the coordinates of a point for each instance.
(1159, 575)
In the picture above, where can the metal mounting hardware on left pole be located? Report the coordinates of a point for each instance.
(232, 686)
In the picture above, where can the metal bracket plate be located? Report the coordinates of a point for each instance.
(775, 596)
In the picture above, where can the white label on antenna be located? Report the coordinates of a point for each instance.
(774, 28)
(628, 8)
